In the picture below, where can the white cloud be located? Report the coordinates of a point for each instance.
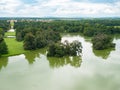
(56, 2)
(88, 9)
(9, 6)
(61, 8)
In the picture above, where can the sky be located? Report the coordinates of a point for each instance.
(59, 8)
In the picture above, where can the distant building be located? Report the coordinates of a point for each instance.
(11, 25)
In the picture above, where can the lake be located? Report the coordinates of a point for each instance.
(94, 70)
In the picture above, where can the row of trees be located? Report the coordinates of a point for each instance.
(40, 39)
(65, 49)
(88, 27)
(4, 25)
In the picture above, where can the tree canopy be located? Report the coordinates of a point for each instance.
(3, 46)
(102, 41)
(40, 40)
(65, 49)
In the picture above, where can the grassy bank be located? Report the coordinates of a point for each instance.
(9, 34)
(117, 26)
(14, 47)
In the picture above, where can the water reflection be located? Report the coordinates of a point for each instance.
(3, 62)
(59, 62)
(30, 56)
(103, 53)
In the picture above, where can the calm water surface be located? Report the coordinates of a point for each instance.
(95, 70)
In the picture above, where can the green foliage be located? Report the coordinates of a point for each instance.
(40, 40)
(87, 27)
(3, 46)
(29, 42)
(51, 50)
(56, 50)
(66, 49)
(75, 48)
(88, 32)
(1, 31)
(4, 25)
(19, 36)
(59, 51)
(52, 36)
(1, 38)
(102, 41)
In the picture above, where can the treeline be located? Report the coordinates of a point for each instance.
(86, 27)
(40, 39)
(39, 34)
(4, 25)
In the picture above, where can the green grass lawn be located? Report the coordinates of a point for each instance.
(9, 34)
(14, 47)
(117, 26)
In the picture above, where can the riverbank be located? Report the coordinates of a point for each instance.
(17, 72)
(14, 47)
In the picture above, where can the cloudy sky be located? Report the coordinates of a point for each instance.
(59, 8)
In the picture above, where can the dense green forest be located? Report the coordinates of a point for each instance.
(90, 28)
(4, 24)
(87, 27)
(39, 34)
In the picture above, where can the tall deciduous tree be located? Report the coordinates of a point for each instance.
(40, 39)
(102, 41)
(29, 42)
(66, 49)
(3, 46)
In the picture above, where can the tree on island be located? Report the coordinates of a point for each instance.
(102, 41)
(65, 49)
